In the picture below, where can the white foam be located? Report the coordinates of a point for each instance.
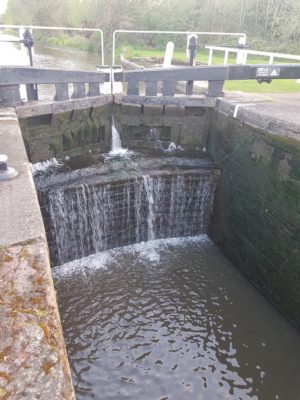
(43, 166)
(145, 251)
(172, 147)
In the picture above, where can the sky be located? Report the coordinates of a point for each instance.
(2, 6)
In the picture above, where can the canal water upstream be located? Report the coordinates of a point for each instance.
(47, 57)
(172, 319)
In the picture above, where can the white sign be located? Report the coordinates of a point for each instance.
(268, 72)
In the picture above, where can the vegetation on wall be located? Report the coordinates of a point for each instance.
(269, 24)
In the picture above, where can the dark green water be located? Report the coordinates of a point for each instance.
(172, 319)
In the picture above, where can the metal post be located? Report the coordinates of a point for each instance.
(240, 56)
(226, 57)
(192, 53)
(31, 89)
(168, 55)
(210, 56)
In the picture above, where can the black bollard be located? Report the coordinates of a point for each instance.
(28, 42)
(192, 48)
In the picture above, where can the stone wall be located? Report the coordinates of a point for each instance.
(256, 217)
(73, 132)
(33, 359)
(142, 126)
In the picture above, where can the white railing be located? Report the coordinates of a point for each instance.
(239, 35)
(243, 53)
(59, 28)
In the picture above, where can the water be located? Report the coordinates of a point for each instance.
(116, 144)
(48, 57)
(172, 319)
(124, 207)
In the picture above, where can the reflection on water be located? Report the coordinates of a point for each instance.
(65, 58)
(172, 319)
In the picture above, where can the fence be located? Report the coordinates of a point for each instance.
(59, 28)
(239, 35)
(245, 52)
(215, 75)
(12, 77)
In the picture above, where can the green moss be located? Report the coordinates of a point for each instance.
(55, 145)
(68, 141)
(285, 143)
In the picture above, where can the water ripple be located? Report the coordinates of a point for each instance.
(185, 327)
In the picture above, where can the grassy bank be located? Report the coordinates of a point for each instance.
(276, 86)
(202, 56)
(90, 44)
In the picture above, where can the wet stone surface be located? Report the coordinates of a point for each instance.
(33, 362)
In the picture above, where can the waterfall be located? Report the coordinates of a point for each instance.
(91, 217)
(116, 144)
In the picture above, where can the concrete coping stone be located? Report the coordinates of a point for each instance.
(275, 114)
(33, 359)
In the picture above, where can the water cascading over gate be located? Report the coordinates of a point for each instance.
(87, 218)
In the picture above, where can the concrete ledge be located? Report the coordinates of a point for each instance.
(19, 212)
(33, 360)
(277, 113)
(55, 107)
(178, 100)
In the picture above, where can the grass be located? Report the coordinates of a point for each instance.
(249, 86)
(276, 86)
(75, 42)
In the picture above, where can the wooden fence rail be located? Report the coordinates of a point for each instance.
(12, 77)
(215, 75)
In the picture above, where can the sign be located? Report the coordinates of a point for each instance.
(268, 72)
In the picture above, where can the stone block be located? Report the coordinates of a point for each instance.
(175, 134)
(173, 111)
(154, 120)
(61, 123)
(194, 136)
(131, 119)
(153, 110)
(131, 109)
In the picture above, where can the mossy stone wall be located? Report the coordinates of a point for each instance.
(256, 216)
(149, 126)
(69, 133)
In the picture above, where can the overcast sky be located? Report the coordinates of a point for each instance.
(2, 6)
